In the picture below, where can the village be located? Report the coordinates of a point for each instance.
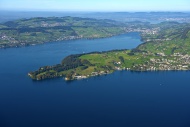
(176, 61)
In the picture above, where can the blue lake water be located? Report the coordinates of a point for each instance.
(121, 99)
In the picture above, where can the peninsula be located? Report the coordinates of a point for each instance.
(166, 47)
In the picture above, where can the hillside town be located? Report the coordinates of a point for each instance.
(176, 61)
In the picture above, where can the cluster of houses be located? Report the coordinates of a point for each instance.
(144, 31)
(7, 38)
(91, 75)
(176, 61)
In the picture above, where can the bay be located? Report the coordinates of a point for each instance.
(124, 98)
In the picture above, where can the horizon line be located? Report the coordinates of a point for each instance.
(91, 11)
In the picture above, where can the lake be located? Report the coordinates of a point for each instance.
(121, 99)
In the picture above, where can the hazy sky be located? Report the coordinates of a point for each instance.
(96, 5)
